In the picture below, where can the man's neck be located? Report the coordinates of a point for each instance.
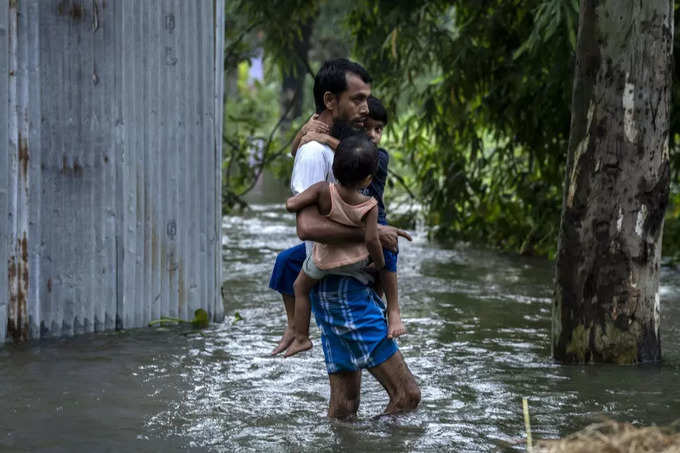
(327, 117)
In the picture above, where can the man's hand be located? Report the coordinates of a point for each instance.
(389, 237)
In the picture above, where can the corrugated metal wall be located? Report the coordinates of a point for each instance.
(4, 167)
(111, 179)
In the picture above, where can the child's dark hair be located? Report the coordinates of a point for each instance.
(355, 158)
(376, 111)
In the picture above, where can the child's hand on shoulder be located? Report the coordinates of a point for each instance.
(314, 125)
(313, 136)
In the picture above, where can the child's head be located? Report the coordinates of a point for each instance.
(355, 161)
(376, 121)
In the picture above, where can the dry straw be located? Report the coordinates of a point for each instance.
(614, 437)
(527, 424)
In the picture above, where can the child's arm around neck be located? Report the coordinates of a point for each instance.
(315, 126)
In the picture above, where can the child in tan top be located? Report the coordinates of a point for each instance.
(355, 162)
(314, 130)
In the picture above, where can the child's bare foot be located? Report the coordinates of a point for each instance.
(286, 340)
(298, 346)
(396, 327)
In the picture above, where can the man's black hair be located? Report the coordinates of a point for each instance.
(332, 77)
(355, 158)
(376, 111)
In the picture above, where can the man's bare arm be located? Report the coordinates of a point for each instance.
(312, 226)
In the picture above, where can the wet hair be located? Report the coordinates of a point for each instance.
(355, 158)
(376, 111)
(332, 77)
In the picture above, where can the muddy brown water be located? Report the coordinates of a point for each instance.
(478, 341)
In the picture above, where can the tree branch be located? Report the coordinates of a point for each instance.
(230, 49)
(401, 181)
(267, 158)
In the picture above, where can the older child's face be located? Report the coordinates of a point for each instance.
(374, 129)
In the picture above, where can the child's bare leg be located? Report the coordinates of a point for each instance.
(289, 333)
(302, 286)
(394, 324)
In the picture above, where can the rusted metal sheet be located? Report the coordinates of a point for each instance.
(4, 167)
(17, 263)
(32, 96)
(114, 146)
(215, 208)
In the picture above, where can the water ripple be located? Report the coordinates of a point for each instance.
(478, 341)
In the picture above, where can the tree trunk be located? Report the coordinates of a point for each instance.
(606, 303)
(292, 88)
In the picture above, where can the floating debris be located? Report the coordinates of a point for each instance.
(200, 321)
(237, 317)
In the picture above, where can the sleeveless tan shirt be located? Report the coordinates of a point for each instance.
(329, 256)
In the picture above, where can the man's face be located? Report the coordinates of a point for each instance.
(374, 130)
(352, 105)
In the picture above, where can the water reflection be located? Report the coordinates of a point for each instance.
(479, 340)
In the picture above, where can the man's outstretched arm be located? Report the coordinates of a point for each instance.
(312, 226)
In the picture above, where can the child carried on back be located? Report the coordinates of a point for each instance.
(354, 164)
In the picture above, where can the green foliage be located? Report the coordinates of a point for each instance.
(254, 134)
(485, 88)
(671, 231)
(252, 139)
(479, 93)
(280, 24)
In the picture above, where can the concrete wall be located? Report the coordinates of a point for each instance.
(111, 177)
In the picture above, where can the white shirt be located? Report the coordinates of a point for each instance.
(313, 163)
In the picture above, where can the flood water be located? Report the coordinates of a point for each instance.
(478, 341)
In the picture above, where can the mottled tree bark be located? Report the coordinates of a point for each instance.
(606, 304)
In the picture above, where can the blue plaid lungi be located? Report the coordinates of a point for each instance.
(351, 317)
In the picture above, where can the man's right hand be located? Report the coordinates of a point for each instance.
(389, 237)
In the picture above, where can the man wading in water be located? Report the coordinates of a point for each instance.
(349, 314)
